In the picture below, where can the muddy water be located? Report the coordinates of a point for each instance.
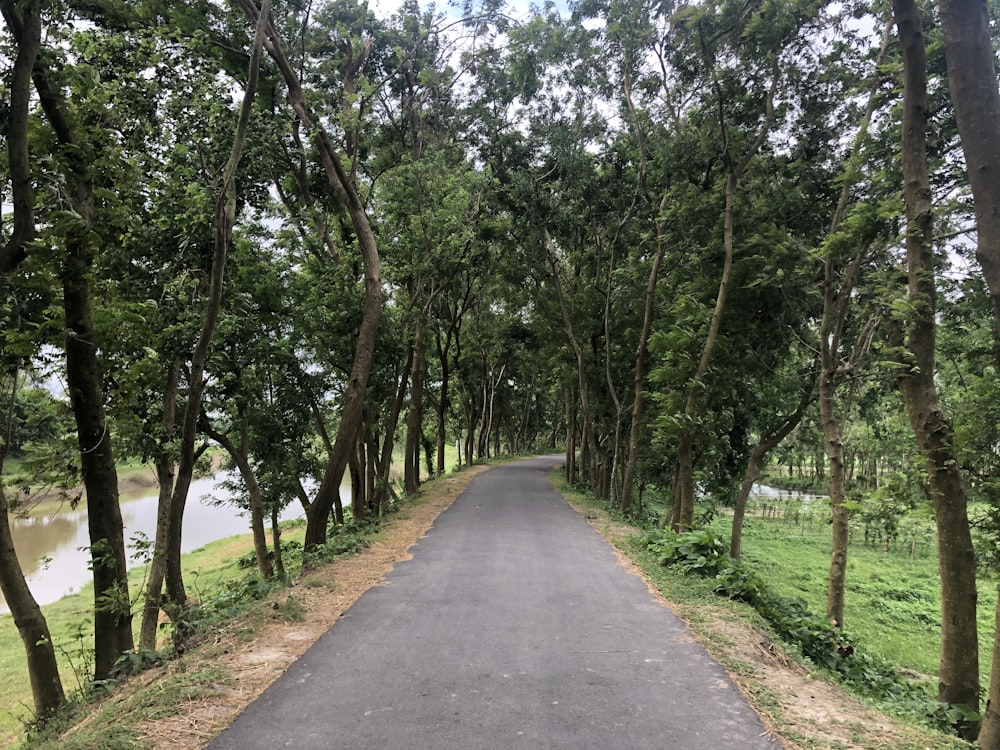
(771, 495)
(52, 547)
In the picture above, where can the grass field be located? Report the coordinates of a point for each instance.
(893, 603)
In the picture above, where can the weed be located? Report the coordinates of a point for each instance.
(249, 560)
(345, 539)
(133, 662)
(292, 608)
(319, 583)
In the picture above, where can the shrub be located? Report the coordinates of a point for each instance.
(704, 553)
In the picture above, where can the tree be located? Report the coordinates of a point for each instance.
(43, 671)
(912, 333)
(976, 97)
(343, 185)
(82, 234)
(845, 251)
(224, 220)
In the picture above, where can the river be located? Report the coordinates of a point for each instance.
(52, 547)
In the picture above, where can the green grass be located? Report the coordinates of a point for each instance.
(893, 604)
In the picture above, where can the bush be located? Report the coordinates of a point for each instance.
(699, 551)
(249, 560)
(704, 553)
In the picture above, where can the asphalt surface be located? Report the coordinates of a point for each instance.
(513, 626)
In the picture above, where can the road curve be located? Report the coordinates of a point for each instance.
(513, 626)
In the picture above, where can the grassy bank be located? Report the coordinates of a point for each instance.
(209, 569)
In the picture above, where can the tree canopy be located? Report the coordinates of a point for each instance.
(671, 238)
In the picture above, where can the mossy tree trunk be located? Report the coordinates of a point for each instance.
(913, 341)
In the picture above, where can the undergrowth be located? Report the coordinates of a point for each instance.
(704, 553)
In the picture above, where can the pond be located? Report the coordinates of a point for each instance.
(765, 492)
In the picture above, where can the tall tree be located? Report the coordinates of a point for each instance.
(845, 251)
(225, 220)
(976, 97)
(83, 236)
(345, 188)
(913, 337)
(43, 671)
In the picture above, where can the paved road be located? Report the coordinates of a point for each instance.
(513, 626)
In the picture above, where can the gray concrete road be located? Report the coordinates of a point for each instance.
(513, 626)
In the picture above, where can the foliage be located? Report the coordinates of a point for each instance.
(249, 560)
(344, 539)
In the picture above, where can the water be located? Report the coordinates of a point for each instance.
(766, 492)
(773, 495)
(52, 548)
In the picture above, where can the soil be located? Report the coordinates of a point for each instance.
(801, 710)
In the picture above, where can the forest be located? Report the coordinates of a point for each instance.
(690, 244)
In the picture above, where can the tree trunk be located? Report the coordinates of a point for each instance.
(43, 670)
(442, 414)
(972, 81)
(989, 735)
(836, 302)
(589, 440)
(768, 443)
(385, 463)
(632, 464)
(364, 350)
(525, 441)
(279, 560)
(165, 468)
(470, 437)
(112, 606)
(570, 436)
(355, 464)
(225, 220)
(973, 85)
(958, 675)
(241, 457)
(685, 449)
(414, 414)
(359, 479)
(25, 24)
(483, 443)
(371, 452)
(112, 619)
(838, 494)
(685, 446)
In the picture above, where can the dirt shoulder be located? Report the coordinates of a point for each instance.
(801, 709)
(249, 655)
